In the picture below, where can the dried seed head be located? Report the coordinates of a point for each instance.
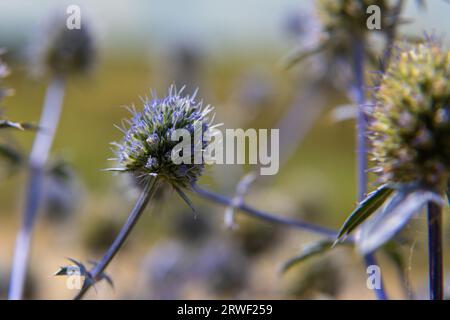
(147, 146)
(410, 127)
(62, 51)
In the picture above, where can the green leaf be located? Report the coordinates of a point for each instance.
(311, 250)
(368, 206)
(406, 203)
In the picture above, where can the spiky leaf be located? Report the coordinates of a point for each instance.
(385, 224)
(368, 206)
(308, 251)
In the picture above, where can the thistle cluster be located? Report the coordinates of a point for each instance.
(62, 51)
(410, 127)
(147, 146)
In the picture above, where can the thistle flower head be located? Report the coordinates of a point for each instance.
(410, 127)
(333, 33)
(62, 51)
(350, 15)
(147, 146)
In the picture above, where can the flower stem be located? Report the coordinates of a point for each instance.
(391, 33)
(435, 257)
(361, 143)
(380, 293)
(96, 273)
(361, 147)
(38, 157)
(286, 221)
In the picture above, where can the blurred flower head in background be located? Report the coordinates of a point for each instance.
(328, 35)
(61, 51)
(350, 16)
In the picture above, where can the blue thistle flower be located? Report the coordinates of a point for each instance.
(146, 149)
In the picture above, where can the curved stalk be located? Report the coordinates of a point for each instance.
(435, 255)
(38, 157)
(96, 273)
(286, 221)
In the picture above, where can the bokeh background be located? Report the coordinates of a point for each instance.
(231, 51)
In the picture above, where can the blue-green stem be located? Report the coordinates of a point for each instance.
(361, 143)
(149, 190)
(435, 254)
(38, 158)
(269, 217)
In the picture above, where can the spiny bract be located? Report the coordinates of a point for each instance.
(147, 146)
(410, 128)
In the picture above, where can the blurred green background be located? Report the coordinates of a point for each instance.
(231, 50)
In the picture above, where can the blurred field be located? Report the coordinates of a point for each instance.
(316, 184)
(312, 184)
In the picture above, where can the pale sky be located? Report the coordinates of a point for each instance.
(217, 24)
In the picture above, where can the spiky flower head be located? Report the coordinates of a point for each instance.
(410, 127)
(62, 51)
(148, 144)
(351, 15)
(335, 33)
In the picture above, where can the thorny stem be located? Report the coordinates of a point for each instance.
(38, 157)
(150, 188)
(361, 127)
(290, 222)
(435, 257)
